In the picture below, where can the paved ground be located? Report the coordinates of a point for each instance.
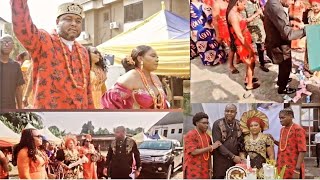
(217, 84)
(176, 175)
(311, 171)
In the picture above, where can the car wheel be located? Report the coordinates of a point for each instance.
(169, 171)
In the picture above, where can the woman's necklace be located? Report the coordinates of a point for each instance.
(286, 141)
(85, 83)
(206, 158)
(255, 141)
(156, 105)
(314, 18)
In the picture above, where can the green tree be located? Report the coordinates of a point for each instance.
(138, 130)
(133, 131)
(56, 131)
(102, 131)
(18, 120)
(87, 128)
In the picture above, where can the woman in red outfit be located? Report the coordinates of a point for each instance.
(241, 38)
(219, 9)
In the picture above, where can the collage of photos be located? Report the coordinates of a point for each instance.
(160, 89)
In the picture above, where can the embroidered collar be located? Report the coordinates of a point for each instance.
(68, 43)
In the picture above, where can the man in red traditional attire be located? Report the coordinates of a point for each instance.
(61, 68)
(292, 146)
(198, 149)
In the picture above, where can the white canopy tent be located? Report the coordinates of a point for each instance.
(29, 126)
(49, 136)
(140, 137)
(7, 136)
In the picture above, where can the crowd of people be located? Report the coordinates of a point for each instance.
(247, 30)
(232, 141)
(37, 158)
(57, 72)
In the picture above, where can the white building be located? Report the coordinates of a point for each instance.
(2, 25)
(170, 126)
(105, 19)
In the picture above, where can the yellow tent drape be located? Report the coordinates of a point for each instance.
(174, 57)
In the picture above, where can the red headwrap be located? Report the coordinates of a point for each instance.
(68, 140)
(255, 119)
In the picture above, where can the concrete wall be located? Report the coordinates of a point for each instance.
(89, 25)
(117, 15)
(179, 7)
(99, 29)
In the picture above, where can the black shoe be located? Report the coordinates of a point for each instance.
(255, 86)
(253, 81)
(289, 80)
(267, 61)
(287, 91)
(265, 69)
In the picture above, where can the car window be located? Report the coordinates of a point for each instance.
(157, 145)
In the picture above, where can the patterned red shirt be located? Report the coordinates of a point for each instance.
(296, 143)
(52, 84)
(196, 167)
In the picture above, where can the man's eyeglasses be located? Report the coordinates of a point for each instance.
(38, 136)
(86, 141)
(6, 42)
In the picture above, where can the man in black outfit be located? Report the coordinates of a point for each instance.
(11, 78)
(119, 164)
(279, 34)
(227, 131)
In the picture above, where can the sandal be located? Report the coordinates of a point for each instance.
(235, 71)
(253, 81)
(255, 86)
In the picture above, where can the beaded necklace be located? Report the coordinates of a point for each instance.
(254, 142)
(286, 142)
(156, 105)
(314, 19)
(206, 158)
(85, 83)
